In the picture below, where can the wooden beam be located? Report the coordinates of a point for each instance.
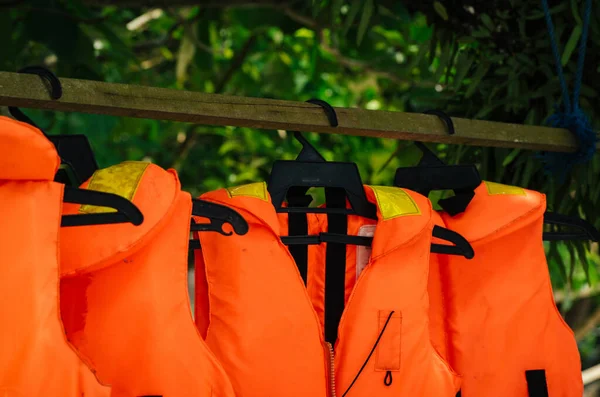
(29, 91)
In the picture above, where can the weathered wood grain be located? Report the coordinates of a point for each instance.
(29, 91)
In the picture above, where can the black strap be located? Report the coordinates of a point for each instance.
(536, 383)
(335, 265)
(325, 237)
(298, 226)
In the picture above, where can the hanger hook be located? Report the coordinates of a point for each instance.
(308, 152)
(55, 92)
(445, 118)
(329, 111)
(55, 85)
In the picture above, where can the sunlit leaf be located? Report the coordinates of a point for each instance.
(355, 7)
(440, 10)
(571, 44)
(476, 79)
(487, 21)
(364, 20)
(187, 49)
(463, 65)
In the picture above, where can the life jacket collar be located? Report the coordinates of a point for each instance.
(497, 210)
(26, 153)
(401, 213)
(152, 189)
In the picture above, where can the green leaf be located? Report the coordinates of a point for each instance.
(7, 55)
(575, 11)
(571, 44)
(466, 39)
(120, 47)
(511, 156)
(187, 49)
(476, 79)
(527, 174)
(316, 8)
(443, 61)
(585, 265)
(336, 7)
(463, 64)
(386, 12)
(352, 13)
(364, 20)
(572, 261)
(420, 34)
(487, 21)
(554, 10)
(440, 10)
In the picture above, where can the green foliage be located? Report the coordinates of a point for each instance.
(491, 62)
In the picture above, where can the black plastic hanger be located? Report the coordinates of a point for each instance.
(312, 171)
(218, 215)
(78, 163)
(586, 230)
(460, 247)
(297, 195)
(433, 174)
(127, 212)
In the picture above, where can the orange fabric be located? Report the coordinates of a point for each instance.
(501, 317)
(128, 311)
(438, 266)
(35, 358)
(265, 328)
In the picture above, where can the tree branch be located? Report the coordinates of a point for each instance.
(589, 325)
(584, 292)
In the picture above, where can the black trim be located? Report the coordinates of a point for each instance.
(335, 265)
(536, 383)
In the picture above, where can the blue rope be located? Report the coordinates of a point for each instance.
(571, 116)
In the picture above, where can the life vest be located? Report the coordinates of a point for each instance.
(267, 328)
(503, 331)
(35, 358)
(124, 291)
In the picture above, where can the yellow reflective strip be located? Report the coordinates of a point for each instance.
(494, 188)
(394, 202)
(121, 179)
(257, 190)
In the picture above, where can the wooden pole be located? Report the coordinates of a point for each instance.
(29, 91)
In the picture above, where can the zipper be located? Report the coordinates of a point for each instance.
(331, 370)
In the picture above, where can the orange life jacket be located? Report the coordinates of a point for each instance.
(124, 291)
(503, 331)
(35, 358)
(267, 329)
